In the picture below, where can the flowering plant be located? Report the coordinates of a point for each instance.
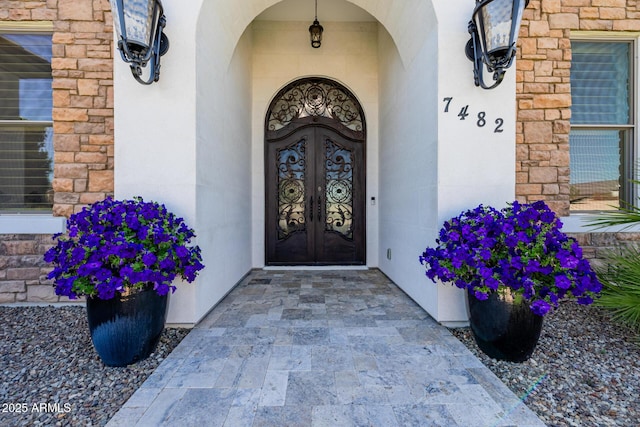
(112, 246)
(519, 247)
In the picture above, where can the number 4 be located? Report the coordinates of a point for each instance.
(463, 112)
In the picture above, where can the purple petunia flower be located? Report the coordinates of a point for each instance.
(167, 264)
(521, 247)
(540, 307)
(149, 259)
(562, 281)
(586, 300)
(112, 245)
(182, 252)
(482, 296)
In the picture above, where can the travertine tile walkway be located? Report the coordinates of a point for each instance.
(321, 348)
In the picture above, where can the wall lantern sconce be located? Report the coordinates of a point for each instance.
(494, 30)
(315, 31)
(141, 42)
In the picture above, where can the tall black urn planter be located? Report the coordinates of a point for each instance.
(126, 328)
(504, 326)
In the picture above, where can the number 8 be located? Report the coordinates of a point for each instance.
(481, 120)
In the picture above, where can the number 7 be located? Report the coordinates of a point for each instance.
(448, 101)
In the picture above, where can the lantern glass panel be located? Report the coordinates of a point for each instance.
(315, 31)
(139, 16)
(494, 21)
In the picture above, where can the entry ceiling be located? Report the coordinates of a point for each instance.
(303, 10)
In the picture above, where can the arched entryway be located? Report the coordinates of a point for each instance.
(423, 164)
(315, 175)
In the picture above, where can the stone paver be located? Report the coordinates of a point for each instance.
(321, 348)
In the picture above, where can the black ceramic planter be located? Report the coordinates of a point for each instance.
(126, 329)
(504, 327)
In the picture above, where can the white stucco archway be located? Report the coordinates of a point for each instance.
(194, 139)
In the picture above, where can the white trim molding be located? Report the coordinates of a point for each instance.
(579, 223)
(32, 224)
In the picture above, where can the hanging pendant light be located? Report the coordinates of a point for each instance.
(494, 28)
(315, 31)
(141, 42)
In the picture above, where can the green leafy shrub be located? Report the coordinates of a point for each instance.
(620, 277)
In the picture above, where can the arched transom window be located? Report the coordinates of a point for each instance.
(315, 97)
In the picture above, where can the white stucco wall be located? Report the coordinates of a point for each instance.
(223, 140)
(432, 164)
(155, 136)
(185, 141)
(195, 139)
(475, 163)
(408, 165)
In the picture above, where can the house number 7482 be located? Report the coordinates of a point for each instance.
(481, 118)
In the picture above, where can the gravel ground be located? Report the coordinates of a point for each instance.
(52, 376)
(585, 370)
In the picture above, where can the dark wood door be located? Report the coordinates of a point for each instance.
(315, 198)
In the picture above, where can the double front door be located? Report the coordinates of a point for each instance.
(315, 213)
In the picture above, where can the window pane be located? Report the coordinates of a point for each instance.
(600, 83)
(595, 168)
(25, 77)
(26, 148)
(26, 168)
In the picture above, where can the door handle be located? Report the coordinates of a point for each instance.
(311, 209)
(319, 203)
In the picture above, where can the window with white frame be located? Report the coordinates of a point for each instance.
(26, 128)
(602, 140)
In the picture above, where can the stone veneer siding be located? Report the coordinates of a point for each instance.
(82, 69)
(544, 90)
(22, 269)
(83, 116)
(596, 246)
